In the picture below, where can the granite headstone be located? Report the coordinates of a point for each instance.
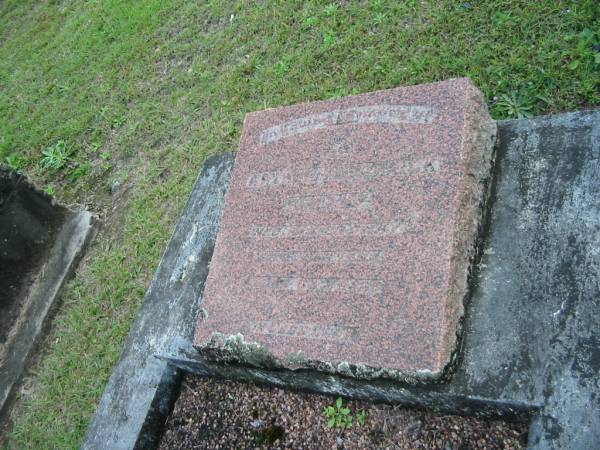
(349, 231)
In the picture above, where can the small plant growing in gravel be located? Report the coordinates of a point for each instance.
(361, 417)
(339, 416)
(55, 156)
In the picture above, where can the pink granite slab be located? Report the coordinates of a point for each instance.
(349, 231)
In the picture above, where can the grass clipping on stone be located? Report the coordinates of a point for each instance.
(136, 94)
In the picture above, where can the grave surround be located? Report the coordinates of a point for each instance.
(41, 243)
(348, 233)
(528, 338)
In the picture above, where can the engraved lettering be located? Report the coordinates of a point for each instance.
(323, 285)
(378, 114)
(305, 330)
(354, 172)
(322, 256)
(346, 229)
(335, 202)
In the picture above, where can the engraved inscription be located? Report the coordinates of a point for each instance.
(378, 114)
(332, 202)
(305, 330)
(341, 148)
(322, 256)
(355, 173)
(325, 285)
(346, 229)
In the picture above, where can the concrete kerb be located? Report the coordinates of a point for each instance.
(75, 232)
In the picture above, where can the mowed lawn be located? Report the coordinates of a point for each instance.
(116, 104)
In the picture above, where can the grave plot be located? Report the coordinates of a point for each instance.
(40, 243)
(530, 330)
(213, 414)
(29, 226)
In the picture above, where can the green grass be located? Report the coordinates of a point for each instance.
(140, 92)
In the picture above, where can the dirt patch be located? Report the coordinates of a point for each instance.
(29, 224)
(215, 414)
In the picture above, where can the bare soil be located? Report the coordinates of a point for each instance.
(28, 227)
(216, 414)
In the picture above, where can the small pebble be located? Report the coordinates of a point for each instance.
(115, 186)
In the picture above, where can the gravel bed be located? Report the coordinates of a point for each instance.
(216, 414)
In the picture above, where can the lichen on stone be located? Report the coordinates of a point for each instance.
(234, 348)
(296, 359)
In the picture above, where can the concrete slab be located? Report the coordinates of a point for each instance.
(349, 231)
(532, 332)
(138, 394)
(40, 245)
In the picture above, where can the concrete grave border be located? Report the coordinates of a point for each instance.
(141, 388)
(531, 335)
(72, 239)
